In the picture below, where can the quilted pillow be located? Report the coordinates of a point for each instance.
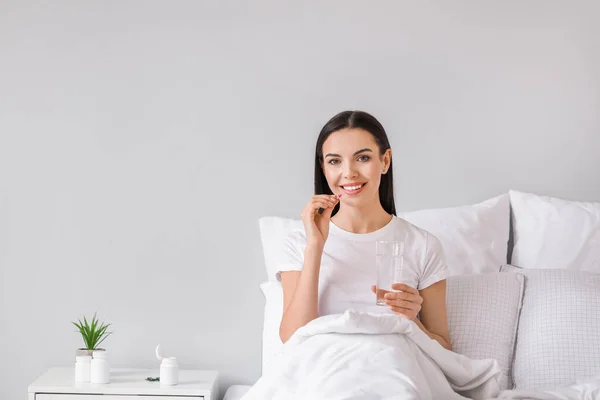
(483, 314)
(558, 340)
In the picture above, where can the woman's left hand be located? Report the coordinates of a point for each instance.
(406, 303)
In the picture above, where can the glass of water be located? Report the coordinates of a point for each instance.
(389, 259)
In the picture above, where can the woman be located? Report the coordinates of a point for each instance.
(328, 267)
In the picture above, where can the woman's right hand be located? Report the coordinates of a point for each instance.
(317, 225)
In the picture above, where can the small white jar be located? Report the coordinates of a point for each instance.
(169, 371)
(100, 371)
(83, 368)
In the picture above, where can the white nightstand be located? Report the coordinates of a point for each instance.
(59, 384)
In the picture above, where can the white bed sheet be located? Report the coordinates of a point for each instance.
(236, 392)
(589, 388)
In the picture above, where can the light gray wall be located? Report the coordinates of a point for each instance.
(141, 141)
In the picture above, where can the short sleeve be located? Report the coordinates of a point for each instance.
(291, 255)
(435, 267)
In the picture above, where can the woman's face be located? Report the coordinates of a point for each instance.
(353, 166)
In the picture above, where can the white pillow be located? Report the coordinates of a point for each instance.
(483, 315)
(474, 237)
(271, 344)
(551, 233)
(558, 340)
(273, 231)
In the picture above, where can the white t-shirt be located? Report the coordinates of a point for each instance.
(348, 264)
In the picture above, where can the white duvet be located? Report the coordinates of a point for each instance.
(358, 355)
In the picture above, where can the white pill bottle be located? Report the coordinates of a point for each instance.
(169, 370)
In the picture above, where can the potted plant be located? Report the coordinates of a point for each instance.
(92, 333)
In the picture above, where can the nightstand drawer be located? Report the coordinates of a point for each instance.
(54, 396)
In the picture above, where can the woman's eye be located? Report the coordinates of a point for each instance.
(333, 161)
(364, 158)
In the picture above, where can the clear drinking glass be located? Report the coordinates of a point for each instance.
(389, 261)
